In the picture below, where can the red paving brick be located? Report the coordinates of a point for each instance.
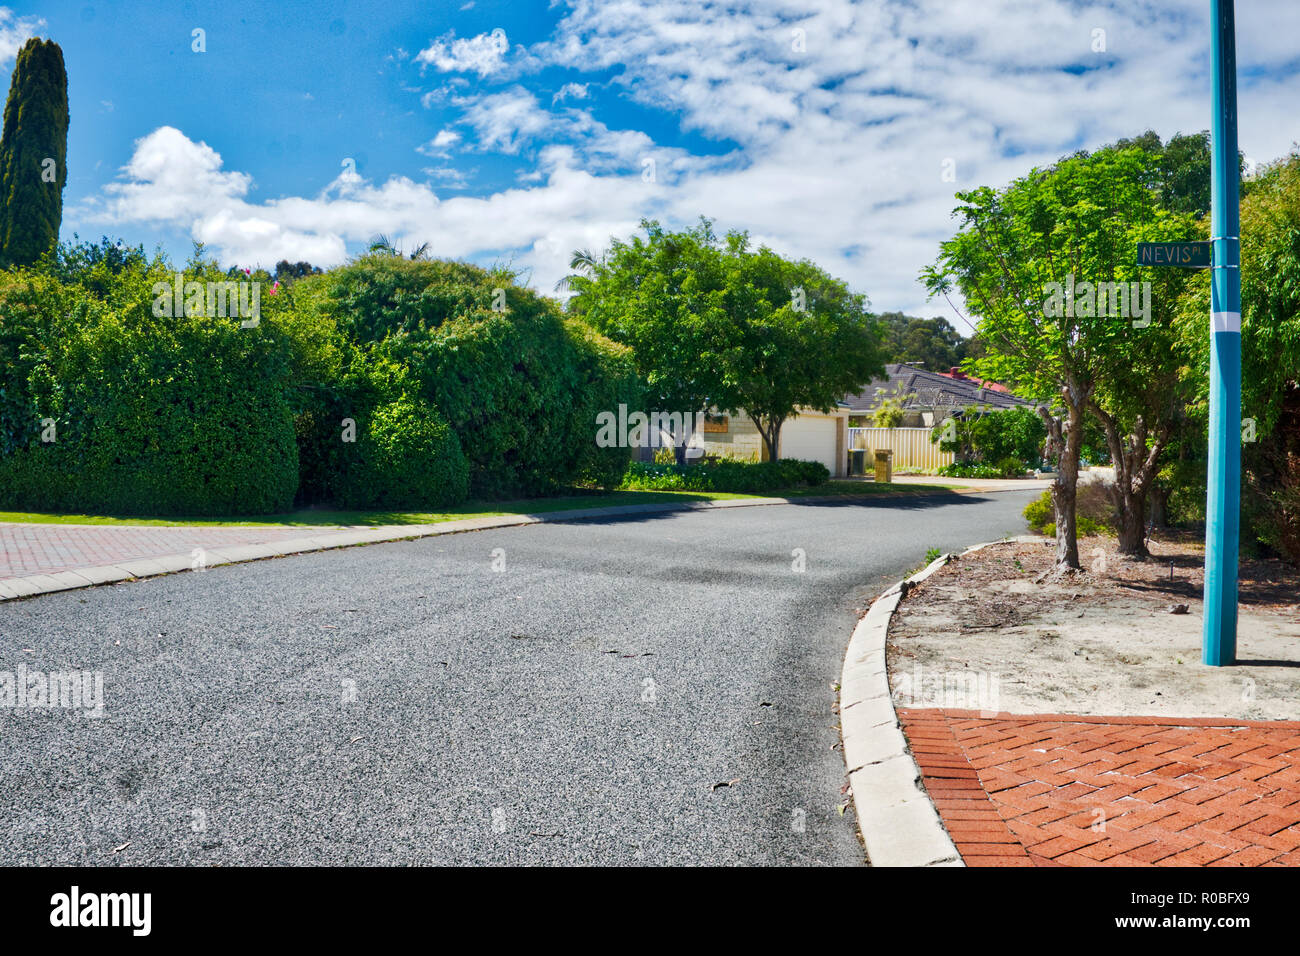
(1062, 790)
(27, 549)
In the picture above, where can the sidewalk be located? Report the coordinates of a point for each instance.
(1057, 790)
(1070, 722)
(27, 549)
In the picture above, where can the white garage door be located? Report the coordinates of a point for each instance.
(810, 439)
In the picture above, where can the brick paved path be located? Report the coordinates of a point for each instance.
(1053, 789)
(48, 548)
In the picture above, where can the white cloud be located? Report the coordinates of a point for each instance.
(14, 32)
(570, 91)
(441, 144)
(483, 54)
(836, 137)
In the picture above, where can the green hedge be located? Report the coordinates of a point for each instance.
(171, 416)
(406, 457)
(453, 376)
(733, 477)
(519, 385)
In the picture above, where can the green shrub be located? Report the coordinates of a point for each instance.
(1010, 467)
(406, 456)
(518, 384)
(727, 476)
(958, 470)
(1016, 433)
(173, 416)
(1093, 513)
(1040, 513)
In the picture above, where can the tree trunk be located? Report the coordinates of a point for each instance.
(1065, 442)
(1132, 528)
(1135, 470)
(771, 435)
(1159, 506)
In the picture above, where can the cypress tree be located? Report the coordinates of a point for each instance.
(33, 154)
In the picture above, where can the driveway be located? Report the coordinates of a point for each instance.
(653, 690)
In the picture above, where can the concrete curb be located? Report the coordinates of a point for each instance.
(899, 824)
(313, 540)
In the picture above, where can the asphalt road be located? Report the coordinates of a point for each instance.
(656, 690)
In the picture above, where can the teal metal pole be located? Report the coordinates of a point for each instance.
(1223, 496)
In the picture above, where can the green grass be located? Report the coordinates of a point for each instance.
(323, 517)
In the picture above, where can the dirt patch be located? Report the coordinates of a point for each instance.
(993, 631)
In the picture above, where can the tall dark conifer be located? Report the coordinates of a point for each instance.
(33, 154)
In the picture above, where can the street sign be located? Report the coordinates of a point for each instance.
(1181, 255)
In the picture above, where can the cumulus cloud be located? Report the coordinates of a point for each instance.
(441, 144)
(14, 32)
(570, 91)
(483, 54)
(839, 124)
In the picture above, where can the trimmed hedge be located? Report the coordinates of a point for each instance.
(407, 457)
(452, 376)
(732, 477)
(170, 416)
(519, 385)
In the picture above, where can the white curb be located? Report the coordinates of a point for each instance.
(897, 820)
(898, 823)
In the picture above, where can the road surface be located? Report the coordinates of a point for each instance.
(656, 690)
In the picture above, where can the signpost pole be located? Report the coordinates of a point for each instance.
(1223, 499)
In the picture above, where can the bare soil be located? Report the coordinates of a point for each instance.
(995, 631)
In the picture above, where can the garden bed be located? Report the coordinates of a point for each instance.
(988, 634)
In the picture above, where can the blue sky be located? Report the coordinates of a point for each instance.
(518, 132)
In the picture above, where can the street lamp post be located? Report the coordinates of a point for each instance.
(1223, 496)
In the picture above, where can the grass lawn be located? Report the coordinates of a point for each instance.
(322, 517)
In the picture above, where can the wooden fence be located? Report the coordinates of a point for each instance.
(911, 447)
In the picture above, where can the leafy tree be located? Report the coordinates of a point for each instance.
(1076, 220)
(665, 298)
(1180, 169)
(930, 343)
(286, 270)
(801, 338)
(1270, 340)
(33, 154)
(721, 325)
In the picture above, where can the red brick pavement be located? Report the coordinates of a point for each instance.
(48, 548)
(1060, 790)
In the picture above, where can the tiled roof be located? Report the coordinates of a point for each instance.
(929, 390)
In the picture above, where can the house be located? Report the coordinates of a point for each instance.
(809, 436)
(928, 398)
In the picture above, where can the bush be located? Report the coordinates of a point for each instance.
(957, 470)
(1093, 512)
(728, 476)
(407, 457)
(1010, 467)
(172, 416)
(519, 385)
(1016, 433)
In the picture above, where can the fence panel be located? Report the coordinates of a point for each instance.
(911, 447)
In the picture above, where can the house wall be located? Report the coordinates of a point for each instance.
(742, 440)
